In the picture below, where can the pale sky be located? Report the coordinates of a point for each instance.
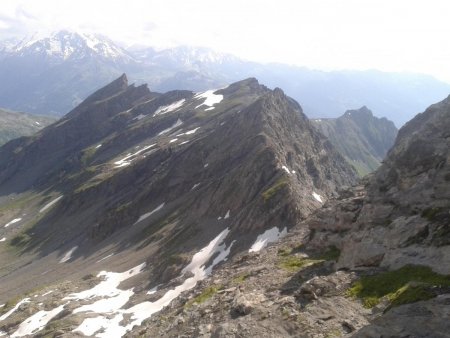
(395, 35)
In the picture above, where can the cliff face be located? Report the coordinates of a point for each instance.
(404, 216)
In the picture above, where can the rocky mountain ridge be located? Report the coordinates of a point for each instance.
(362, 138)
(372, 263)
(159, 187)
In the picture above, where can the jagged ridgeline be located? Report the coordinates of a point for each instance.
(170, 184)
(362, 138)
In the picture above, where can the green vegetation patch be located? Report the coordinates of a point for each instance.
(240, 279)
(431, 213)
(284, 252)
(331, 254)
(88, 154)
(295, 263)
(20, 240)
(204, 296)
(273, 190)
(406, 285)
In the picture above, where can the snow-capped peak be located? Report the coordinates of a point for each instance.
(184, 56)
(66, 44)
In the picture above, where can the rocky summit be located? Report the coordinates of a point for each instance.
(130, 201)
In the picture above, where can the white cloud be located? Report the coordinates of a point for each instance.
(327, 34)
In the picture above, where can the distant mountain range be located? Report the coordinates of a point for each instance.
(15, 124)
(53, 74)
(362, 138)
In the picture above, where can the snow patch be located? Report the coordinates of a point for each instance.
(47, 293)
(15, 220)
(68, 255)
(108, 325)
(109, 328)
(176, 124)
(148, 214)
(107, 304)
(170, 108)
(269, 236)
(130, 157)
(139, 117)
(173, 140)
(189, 132)
(227, 215)
(192, 131)
(106, 257)
(206, 165)
(37, 123)
(48, 205)
(317, 197)
(286, 169)
(37, 322)
(195, 186)
(210, 98)
(10, 312)
(107, 287)
(153, 290)
(3, 239)
(184, 142)
(98, 146)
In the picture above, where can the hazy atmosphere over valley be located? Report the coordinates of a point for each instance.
(224, 169)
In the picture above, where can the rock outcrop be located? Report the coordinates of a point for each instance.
(402, 215)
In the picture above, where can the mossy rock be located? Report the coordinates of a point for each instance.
(274, 189)
(204, 296)
(408, 284)
(295, 263)
(240, 279)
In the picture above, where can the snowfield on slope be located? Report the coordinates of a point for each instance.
(268, 236)
(103, 304)
(130, 157)
(169, 108)
(210, 98)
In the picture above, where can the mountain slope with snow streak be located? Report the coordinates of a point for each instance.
(182, 189)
